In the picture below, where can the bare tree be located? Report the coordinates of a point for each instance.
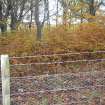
(47, 13)
(64, 4)
(38, 17)
(31, 15)
(5, 7)
(57, 9)
(17, 12)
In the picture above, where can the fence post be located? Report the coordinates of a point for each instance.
(5, 75)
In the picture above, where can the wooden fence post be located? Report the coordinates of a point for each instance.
(5, 75)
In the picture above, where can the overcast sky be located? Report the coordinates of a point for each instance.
(52, 9)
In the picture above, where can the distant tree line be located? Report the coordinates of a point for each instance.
(39, 11)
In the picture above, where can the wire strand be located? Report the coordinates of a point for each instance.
(59, 74)
(58, 62)
(63, 54)
(57, 90)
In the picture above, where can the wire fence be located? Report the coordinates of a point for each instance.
(59, 89)
(60, 54)
(65, 82)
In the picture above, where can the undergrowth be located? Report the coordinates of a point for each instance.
(85, 37)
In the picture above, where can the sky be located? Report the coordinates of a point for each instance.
(52, 8)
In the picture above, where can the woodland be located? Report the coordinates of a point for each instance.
(30, 27)
(56, 51)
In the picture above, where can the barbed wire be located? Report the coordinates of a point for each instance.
(71, 103)
(63, 54)
(57, 90)
(58, 62)
(59, 74)
(62, 89)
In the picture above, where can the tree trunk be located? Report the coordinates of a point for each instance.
(65, 17)
(13, 22)
(39, 25)
(39, 32)
(48, 15)
(92, 8)
(57, 12)
(81, 15)
(13, 26)
(92, 11)
(30, 24)
(3, 27)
